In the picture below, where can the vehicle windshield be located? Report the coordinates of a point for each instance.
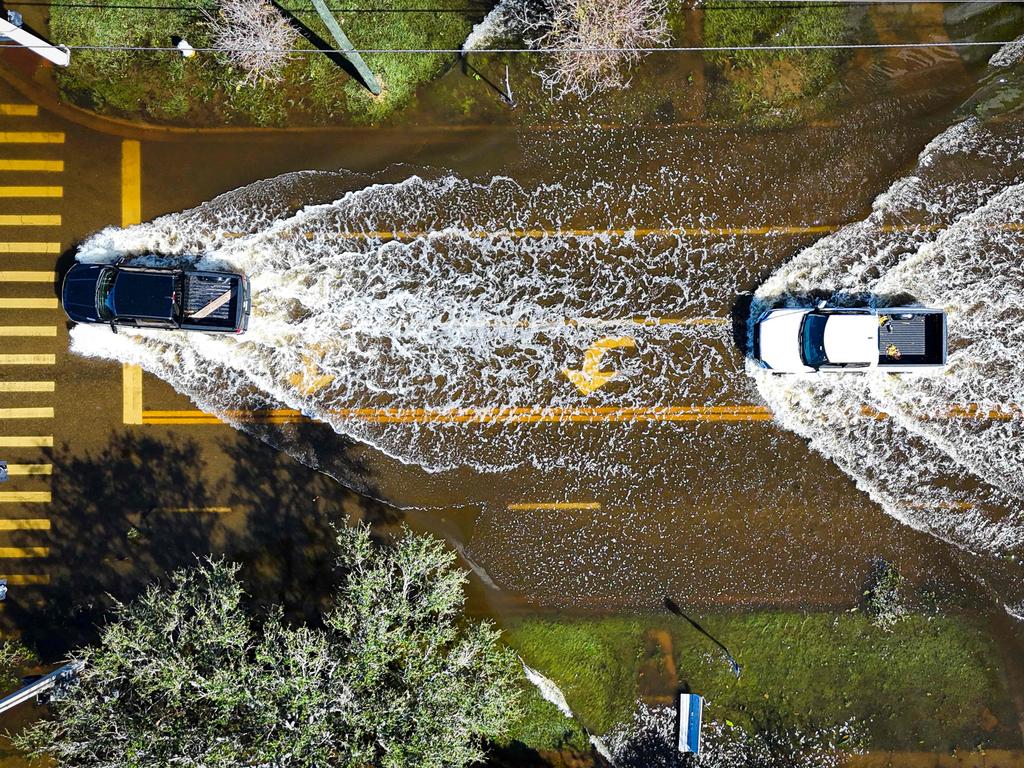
(105, 293)
(812, 340)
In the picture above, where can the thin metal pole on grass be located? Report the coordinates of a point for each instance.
(673, 607)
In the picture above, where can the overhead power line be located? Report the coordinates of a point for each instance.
(549, 51)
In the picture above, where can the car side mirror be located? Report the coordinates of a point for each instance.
(113, 327)
(822, 304)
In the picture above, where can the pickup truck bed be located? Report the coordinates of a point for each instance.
(910, 338)
(204, 300)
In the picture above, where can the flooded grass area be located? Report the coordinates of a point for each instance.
(933, 683)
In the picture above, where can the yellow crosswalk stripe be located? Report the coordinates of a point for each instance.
(24, 524)
(29, 469)
(26, 191)
(30, 219)
(26, 386)
(19, 110)
(31, 137)
(28, 330)
(12, 552)
(27, 359)
(50, 166)
(26, 441)
(26, 579)
(25, 497)
(30, 247)
(41, 412)
(27, 276)
(6, 303)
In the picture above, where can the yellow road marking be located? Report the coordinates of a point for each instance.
(28, 330)
(49, 166)
(26, 359)
(31, 137)
(210, 510)
(24, 524)
(52, 248)
(19, 110)
(26, 441)
(26, 386)
(30, 469)
(25, 579)
(554, 505)
(12, 552)
(25, 497)
(27, 276)
(42, 412)
(20, 191)
(28, 303)
(30, 220)
(590, 377)
(131, 183)
(131, 394)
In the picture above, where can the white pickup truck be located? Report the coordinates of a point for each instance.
(835, 339)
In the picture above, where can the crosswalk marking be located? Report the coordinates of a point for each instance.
(12, 552)
(27, 386)
(25, 497)
(30, 219)
(41, 412)
(24, 524)
(26, 441)
(6, 303)
(31, 191)
(28, 330)
(27, 276)
(46, 166)
(31, 137)
(26, 579)
(30, 247)
(19, 110)
(27, 359)
(29, 469)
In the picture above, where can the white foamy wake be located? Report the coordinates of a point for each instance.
(461, 311)
(947, 457)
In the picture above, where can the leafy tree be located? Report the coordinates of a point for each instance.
(395, 676)
(14, 657)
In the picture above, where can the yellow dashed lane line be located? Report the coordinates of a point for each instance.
(30, 220)
(26, 441)
(26, 579)
(30, 247)
(29, 469)
(19, 110)
(42, 412)
(30, 191)
(12, 552)
(27, 276)
(553, 505)
(27, 386)
(24, 524)
(31, 137)
(28, 303)
(27, 359)
(25, 497)
(28, 330)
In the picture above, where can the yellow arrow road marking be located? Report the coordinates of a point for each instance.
(591, 378)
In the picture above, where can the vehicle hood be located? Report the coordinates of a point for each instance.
(852, 338)
(144, 294)
(778, 340)
(78, 296)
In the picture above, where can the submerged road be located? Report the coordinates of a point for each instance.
(737, 500)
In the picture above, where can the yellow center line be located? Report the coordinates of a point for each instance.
(28, 303)
(29, 469)
(27, 579)
(26, 441)
(19, 110)
(46, 166)
(28, 330)
(30, 247)
(131, 213)
(27, 359)
(527, 507)
(42, 412)
(30, 220)
(24, 524)
(27, 386)
(31, 191)
(27, 276)
(25, 497)
(31, 137)
(12, 552)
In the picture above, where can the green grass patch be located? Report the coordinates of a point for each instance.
(932, 683)
(205, 90)
(543, 727)
(773, 87)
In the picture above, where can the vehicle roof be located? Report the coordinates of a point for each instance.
(144, 293)
(851, 338)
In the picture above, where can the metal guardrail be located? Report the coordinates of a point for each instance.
(42, 685)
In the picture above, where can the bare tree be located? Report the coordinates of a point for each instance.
(255, 37)
(591, 42)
